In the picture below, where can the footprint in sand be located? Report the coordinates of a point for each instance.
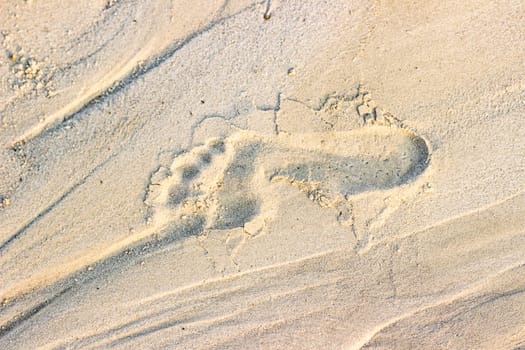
(233, 181)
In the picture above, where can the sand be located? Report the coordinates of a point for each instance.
(262, 174)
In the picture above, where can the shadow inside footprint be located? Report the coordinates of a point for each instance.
(235, 211)
(177, 194)
(349, 175)
(190, 172)
(191, 225)
(241, 168)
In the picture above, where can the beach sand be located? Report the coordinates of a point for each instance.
(262, 174)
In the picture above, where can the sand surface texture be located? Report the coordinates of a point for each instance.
(262, 174)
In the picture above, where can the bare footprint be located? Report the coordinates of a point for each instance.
(230, 182)
(236, 183)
